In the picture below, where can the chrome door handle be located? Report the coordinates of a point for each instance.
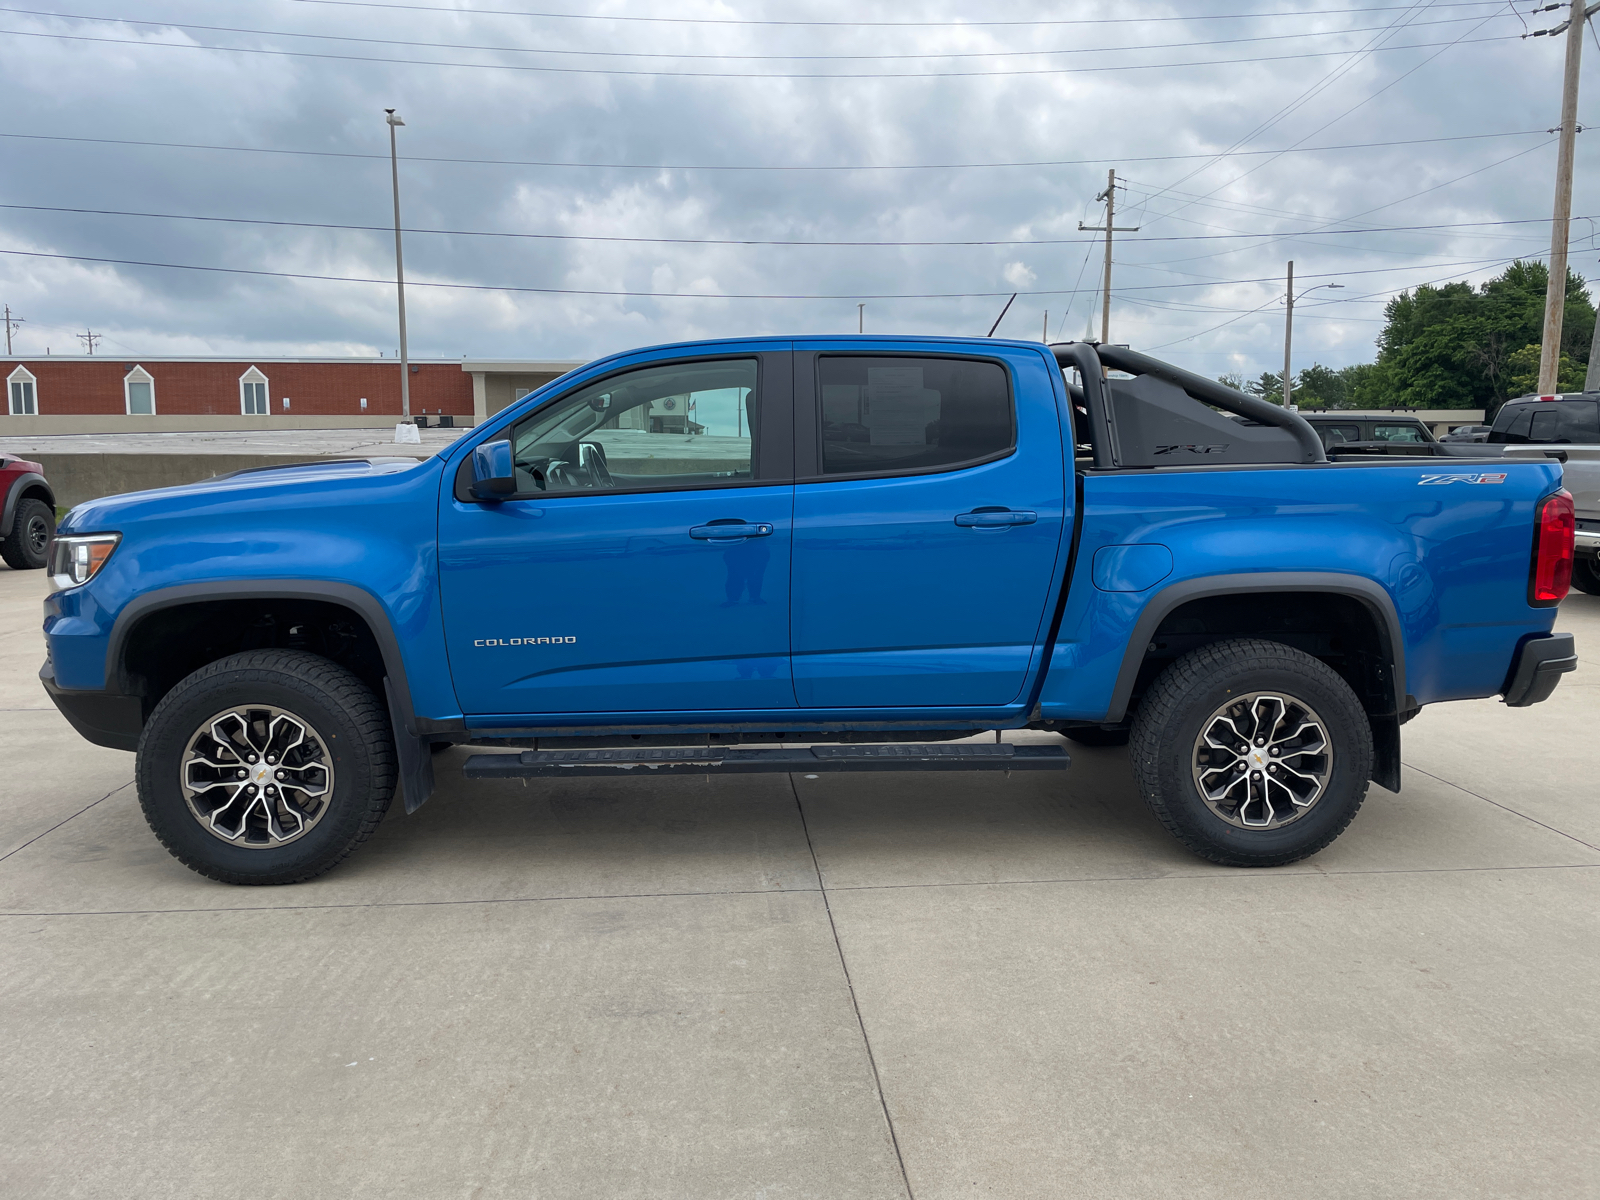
(731, 531)
(995, 518)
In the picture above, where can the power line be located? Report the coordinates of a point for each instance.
(456, 11)
(1492, 263)
(797, 75)
(1304, 97)
(501, 48)
(1367, 100)
(513, 162)
(855, 296)
(1378, 208)
(686, 241)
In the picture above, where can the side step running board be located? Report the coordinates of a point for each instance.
(654, 760)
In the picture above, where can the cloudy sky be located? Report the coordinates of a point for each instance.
(648, 172)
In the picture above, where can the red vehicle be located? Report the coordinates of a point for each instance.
(28, 515)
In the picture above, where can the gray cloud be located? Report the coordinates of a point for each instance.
(1166, 291)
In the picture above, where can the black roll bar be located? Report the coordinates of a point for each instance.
(1082, 355)
(1119, 358)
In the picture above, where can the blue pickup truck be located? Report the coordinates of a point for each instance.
(808, 554)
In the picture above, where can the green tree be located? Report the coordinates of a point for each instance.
(1522, 372)
(1452, 346)
(1268, 387)
(1323, 387)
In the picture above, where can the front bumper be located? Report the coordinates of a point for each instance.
(1539, 666)
(102, 717)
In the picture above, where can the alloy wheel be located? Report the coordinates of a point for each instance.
(257, 776)
(1261, 761)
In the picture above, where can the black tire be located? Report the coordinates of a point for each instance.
(1189, 695)
(348, 728)
(1094, 735)
(1585, 577)
(33, 524)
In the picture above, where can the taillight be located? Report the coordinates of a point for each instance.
(1553, 530)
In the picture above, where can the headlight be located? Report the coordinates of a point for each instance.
(76, 560)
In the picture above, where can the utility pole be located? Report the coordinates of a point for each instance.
(861, 318)
(11, 327)
(1045, 335)
(89, 337)
(399, 266)
(1555, 296)
(1591, 377)
(1111, 226)
(1288, 334)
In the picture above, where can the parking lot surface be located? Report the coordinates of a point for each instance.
(843, 987)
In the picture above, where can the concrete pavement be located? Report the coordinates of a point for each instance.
(845, 987)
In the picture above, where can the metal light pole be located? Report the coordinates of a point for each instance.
(399, 266)
(1288, 332)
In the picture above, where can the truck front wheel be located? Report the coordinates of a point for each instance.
(1251, 753)
(266, 767)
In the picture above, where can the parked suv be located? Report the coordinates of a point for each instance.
(1336, 427)
(28, 519)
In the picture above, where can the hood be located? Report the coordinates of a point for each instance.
(345, 478)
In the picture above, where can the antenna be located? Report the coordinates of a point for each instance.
(1002, 315)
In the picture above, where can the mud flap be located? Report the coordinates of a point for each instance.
(413, 756)
(1386, 752)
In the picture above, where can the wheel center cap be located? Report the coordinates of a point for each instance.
(1258, 758)
(260, 774)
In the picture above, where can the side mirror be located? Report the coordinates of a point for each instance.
(494, 476)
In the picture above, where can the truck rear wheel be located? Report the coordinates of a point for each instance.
(266, 767)
(1585, 577)
(1252, 753)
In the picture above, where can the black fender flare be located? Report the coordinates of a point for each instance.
(415, 759)
(19, 485)
(1368, 591)
(1385, 726)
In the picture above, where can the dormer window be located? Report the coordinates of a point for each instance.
(139, 392)
(253, 394)
(23, 390)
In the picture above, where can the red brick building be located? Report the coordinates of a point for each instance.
(101, 385)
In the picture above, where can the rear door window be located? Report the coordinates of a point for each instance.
(1576, 421)
(884, 413)
(1398, 433)
(1512, 424)
(1333, 434)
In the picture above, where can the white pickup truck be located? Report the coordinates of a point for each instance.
(1564, 426)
